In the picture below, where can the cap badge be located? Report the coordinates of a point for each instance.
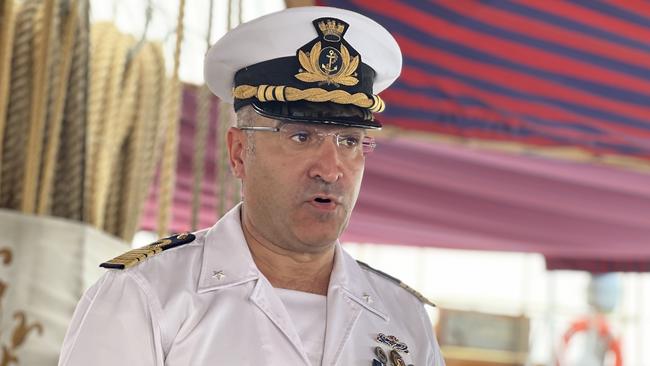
(326, 59)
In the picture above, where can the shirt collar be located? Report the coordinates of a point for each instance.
(227, 262)
(353, 281)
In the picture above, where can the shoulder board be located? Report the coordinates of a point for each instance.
(401, 284)
(135, 256)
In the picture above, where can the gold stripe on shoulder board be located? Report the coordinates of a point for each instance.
(401, 284)
(135, 256)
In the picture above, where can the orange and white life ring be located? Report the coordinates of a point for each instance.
(604, 332)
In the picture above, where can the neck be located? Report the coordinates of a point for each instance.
(307, 272)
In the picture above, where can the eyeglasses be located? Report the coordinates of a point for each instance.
(298, 137)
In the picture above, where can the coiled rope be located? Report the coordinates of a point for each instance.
(117, 124)
(105, 120)
(201, 137)
(79, 115)
(85, 114)
(170, 147)
(60, 80)
(18, 111)
(143, 144)
(7, 17)
(40, 85)
(125, 107)
(68, 188)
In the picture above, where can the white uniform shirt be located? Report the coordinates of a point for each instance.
(206, 303)
(308, 313)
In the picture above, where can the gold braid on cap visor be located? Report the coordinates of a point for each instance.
(273, 93)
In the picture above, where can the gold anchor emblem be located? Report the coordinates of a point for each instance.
(330, 68)
(312, 71)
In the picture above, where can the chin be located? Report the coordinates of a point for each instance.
(322, 229)
(319, 240)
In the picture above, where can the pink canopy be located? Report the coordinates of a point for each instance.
(577, 215)
(420, 193)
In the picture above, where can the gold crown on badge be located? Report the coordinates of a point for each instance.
(331, 29)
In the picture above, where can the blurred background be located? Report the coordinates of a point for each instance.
(511, 183)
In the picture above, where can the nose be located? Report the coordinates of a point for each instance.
(327, 164)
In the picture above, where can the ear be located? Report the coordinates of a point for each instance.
(236, 151)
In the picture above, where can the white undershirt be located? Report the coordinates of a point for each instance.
(309, 313)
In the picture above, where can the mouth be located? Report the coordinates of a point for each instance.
(324, 202)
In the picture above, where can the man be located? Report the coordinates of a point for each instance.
(269, 284)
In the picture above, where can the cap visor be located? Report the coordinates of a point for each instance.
(310, 112)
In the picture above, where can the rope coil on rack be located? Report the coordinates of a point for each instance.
(170, 147)
(61, 78)
(37, 122)
(112, 168)
(99, 71)
(110, 124)
(8, 16)
(198, 163)
(18, 111)
(68, 188)
(123, 129)
(83, 116)
(201, 137)
(66, 150)
(138, 168)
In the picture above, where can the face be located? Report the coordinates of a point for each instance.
(298, 200)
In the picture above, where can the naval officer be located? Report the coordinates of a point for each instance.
(269, 283)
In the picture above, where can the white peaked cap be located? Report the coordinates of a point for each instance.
(282, 33)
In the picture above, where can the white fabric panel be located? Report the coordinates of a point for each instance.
(52, 262)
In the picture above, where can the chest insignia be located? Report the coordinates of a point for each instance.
(396, 358)
(393, 342)
(382, 358)
(135, 256)
(381, 355)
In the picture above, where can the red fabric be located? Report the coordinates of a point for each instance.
(539, 73)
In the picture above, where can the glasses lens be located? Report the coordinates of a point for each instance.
(350, 141)
(368, 145)
(298, 136)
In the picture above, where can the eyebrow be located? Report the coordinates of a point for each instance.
(324, 126)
